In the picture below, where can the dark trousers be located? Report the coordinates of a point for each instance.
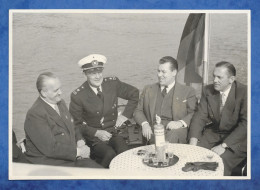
(104, 152)
(230, 158)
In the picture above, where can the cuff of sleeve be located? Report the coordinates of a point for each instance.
(145, 122)
(77, 152)
(183, 123)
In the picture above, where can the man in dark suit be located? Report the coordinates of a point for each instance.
(220, 123)
(94, 109)
(49, 129)
(173, 102)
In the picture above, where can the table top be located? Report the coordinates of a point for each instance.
(130, 161)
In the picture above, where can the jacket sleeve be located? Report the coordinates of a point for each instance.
(129, 93)
(139, 115)
(200, 118)
(76, 110)
(38, 129)
(239, 134)
(190, 106)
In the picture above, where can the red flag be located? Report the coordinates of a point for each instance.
(190, 54)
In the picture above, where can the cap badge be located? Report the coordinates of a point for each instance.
(94, 63)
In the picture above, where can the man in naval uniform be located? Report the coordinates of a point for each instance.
(173, 102)
(94, 109)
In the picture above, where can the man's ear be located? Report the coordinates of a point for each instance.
(174, 72)
(232, 79)
(43, 93)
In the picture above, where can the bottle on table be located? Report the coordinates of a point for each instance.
(159, 134)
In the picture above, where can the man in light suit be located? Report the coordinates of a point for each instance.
(173, 102)
(220, 123)
(49, 129)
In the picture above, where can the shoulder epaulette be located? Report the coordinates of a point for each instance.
(112, 78)
(75, 92)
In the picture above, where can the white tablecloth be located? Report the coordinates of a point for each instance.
(129, 161)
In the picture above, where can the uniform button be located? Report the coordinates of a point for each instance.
(113, 114)
(113, 120)
(97, 112)
(62, 134)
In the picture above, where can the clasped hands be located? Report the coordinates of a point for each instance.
(83, 150)
(104, 135)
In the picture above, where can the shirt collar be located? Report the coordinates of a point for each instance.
(52, 105)
(170, 86)
(95, 89)
(226, 92)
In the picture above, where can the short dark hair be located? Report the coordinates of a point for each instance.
(230, 67)
(171, 60)
(41, 78)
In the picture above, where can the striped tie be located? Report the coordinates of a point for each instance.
(164, 91)
(222, 103)
(57, 108)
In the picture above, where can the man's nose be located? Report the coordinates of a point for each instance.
(215, 79)
(59, 92)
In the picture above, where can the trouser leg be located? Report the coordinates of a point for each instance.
(105, 152)
(118, 143)
(231, 160)
(88, 163)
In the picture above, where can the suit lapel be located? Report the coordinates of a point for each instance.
(214, 102)
(53, 114)
(152, 99)
(64, 114)
(177, 94)
(229, 105)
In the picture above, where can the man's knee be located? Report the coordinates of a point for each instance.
(230, 161)
(177, 136)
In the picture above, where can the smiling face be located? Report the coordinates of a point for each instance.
(95, 77)
(51, 91)
(165, 74)
(222, 79)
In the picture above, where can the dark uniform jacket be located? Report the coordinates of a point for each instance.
(50, 138)
(233, 120)
(91, 114)
(183, 104)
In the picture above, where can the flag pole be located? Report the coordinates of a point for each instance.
(206, 49)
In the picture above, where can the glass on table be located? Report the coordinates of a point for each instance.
(155, 161)
(170, 155)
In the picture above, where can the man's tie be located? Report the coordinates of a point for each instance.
(164, 91)
(57, 108)
(222, 102)
(100, 94)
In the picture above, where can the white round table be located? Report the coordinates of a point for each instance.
(130, 161)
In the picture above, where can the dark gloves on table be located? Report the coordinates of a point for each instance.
(195, 166)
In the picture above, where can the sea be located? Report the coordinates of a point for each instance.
(132, 42)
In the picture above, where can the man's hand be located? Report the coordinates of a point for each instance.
(218, 149)
(103, 135)
(147, 131)
(21, 145)
(120, 120)
(80, 143)
(193, 141)
(174, 125)
(83, 151)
